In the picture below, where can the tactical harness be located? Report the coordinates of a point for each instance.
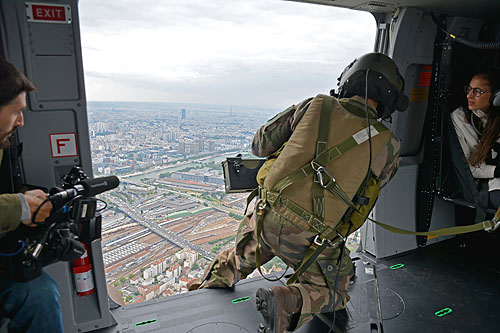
(357, 207)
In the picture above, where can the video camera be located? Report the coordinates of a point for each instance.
(74, 218)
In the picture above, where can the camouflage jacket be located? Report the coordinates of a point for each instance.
(10, 209)
(271, 136)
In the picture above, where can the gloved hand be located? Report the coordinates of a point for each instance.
(194, 284)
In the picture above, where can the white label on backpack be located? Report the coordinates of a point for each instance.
(84, 281)
(362, 135)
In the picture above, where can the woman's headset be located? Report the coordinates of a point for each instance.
(495, 98)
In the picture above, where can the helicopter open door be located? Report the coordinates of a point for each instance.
(43, 40)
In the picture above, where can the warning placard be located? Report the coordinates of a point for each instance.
(63, 145)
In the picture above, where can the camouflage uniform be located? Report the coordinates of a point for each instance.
(319, 291)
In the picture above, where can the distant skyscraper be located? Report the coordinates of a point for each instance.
(201, 145)
(211, 145)
(183, 114)
(182, 147)
(194, 148)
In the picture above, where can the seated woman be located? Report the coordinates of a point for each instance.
(478, 131)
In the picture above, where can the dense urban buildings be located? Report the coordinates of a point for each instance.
(170, 215)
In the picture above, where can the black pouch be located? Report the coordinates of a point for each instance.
(240, 175)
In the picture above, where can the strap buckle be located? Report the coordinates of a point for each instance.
(317, 242)
(344, 239)
(495, 227)
(320, 242)
(319, 169)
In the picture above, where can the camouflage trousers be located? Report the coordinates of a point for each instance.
(281, 238)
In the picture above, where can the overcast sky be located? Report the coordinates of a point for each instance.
(268, 53)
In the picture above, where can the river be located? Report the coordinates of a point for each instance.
(176, 167)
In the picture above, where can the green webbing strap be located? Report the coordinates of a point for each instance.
(312, 253)
(294, 177)
(260, 219)
(324, 128)
(440, 232)
(318, 194)
(379, 126)
(349, 143)
(315, 249)
(252, 195)
(335, 189)
(267, 196)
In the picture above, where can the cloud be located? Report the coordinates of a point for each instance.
(242, 52)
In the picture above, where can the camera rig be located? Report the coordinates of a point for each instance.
(74, 218)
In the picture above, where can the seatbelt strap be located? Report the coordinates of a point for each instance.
(485, 225)
(318, 245)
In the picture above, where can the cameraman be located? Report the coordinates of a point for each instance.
(31, 306)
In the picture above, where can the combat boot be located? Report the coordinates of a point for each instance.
(280, 307)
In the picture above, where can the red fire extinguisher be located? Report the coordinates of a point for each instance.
(82, 270)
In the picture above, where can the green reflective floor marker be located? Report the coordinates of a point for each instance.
(147, 322)
(443, 312)
(397, 266)
(241, 299)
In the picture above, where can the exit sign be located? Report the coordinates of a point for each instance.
(48, 13)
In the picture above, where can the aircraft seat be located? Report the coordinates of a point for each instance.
(464, 189)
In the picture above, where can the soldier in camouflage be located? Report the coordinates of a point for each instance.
(323, 286)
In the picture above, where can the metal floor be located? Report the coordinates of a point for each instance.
(234, 310)
(448, 287)
(451, 286)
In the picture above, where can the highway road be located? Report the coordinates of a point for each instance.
(178, 240)
(160, 187)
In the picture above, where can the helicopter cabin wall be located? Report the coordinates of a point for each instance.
(407, 36)
(43, 40)
(468, 60)
(47, 49)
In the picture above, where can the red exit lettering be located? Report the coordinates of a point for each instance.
(48, 13)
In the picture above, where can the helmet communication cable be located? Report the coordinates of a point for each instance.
(369, 130)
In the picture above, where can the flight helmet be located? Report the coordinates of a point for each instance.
(385, 84)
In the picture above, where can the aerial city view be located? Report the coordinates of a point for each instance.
(170, 215)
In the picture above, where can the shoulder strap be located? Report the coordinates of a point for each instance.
(318, 195)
